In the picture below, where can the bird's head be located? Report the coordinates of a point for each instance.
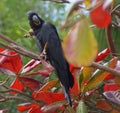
(34, 20)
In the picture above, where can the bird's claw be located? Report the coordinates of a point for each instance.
(43, 55)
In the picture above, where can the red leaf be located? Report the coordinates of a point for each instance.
(30, 65)
(16, 85)
(1, 49)
(16, 62)
(3, 58)
(111, 87)
(48, 97)
(12, 63)
(35, 109)
(24, 107)
(72, 67)
(100, 17)
(109, 76)
(75, 90)
(103, 54)
(54, 107)
(45, 73)
(31, 83)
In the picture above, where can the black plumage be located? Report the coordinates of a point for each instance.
(46, 32)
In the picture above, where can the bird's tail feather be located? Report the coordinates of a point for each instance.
(71, 79)
(67, 95)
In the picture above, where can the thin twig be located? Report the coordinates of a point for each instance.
(20, 50)
(9, 55)
(6, 98)
(7, 39)
(56, 1)
(115, 8)
(115, 25)
(17, 91)
(3, 82)
(101, 67)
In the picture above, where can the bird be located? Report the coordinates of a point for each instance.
(46, 33)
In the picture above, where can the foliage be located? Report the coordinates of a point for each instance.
(96, 79)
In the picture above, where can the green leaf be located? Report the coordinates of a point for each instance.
(80, 46)
(81, 108)
(100, 75)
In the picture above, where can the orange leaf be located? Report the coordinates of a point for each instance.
(87, 72)
(16, 85)
(48, 85)
(102, 104)
(48, 97)
(100, 75)
(100, 17)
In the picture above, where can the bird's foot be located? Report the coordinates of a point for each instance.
(43, 55)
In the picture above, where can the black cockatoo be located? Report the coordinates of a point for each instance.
(44, 32)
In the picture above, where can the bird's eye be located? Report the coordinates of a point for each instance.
(36, 20)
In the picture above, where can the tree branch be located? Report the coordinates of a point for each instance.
(15, 90)
(14, 46)
(6, 98)
(110, 70)
(35, 56)
(109, 39)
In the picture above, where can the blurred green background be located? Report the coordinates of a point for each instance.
(14, 24)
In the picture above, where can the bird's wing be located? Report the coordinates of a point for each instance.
(55, 49)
